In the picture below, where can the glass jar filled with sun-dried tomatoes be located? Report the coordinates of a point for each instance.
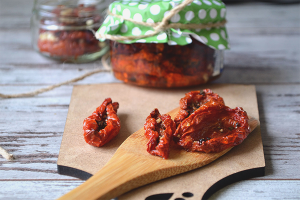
(163, 65)
(189, 51)
(64, 29)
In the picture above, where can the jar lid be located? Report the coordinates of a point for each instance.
(131, 21)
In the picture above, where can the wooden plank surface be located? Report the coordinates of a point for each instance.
(265, 52)
(251, 190)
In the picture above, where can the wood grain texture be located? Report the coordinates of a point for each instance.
(248, 189)
(265, 40)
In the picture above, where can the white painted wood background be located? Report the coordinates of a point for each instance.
(265, 41)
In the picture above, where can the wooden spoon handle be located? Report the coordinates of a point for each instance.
(121, 174)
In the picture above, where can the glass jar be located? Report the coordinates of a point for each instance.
(162, 65)
(64, 29)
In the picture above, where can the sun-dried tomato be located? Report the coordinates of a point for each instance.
(68, 43)
(103, 125)
(159, 129)
(210, 126)
(193, 100)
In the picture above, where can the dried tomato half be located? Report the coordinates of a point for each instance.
(193, 100)
(159, 130)
(213, 127)
(103, 125)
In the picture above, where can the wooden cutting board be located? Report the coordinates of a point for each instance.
(78, 159)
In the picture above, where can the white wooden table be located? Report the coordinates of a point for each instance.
(265, 41)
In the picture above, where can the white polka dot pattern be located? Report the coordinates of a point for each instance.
(202, 14)
(214, 36)
(136, 31)
(138, 17)
(126, 13)
(162, 36)
(142, 6)
(175, 18)
(189, 15)
(153, 11)
(213, 13)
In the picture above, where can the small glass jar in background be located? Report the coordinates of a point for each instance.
(64, 29)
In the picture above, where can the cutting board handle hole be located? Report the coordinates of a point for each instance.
(187, 194)
(162, 196)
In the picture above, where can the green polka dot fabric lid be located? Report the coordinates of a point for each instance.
(134, 21)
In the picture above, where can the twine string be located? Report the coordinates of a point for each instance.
(5, 154)
(165, 21)
(51, 87)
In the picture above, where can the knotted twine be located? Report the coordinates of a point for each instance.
(157, 27)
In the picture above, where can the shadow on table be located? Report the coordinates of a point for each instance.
(265, 134)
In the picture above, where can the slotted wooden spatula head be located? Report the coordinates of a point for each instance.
(132, 166)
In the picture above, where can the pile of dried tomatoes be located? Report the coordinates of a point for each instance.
(203, 124)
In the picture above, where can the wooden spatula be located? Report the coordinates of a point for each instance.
(131, 167)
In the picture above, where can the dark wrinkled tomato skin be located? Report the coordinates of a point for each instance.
(193, 100)
(103, 125)
(213, 130)
(213, 127)
(159, 130)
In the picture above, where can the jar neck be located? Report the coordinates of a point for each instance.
(67, 15)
